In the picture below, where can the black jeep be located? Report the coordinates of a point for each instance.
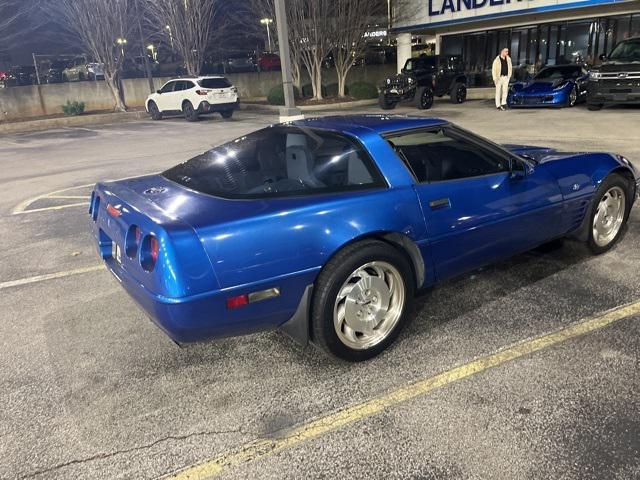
(617, 79)
(422, 78)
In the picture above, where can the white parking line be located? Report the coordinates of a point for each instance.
(49, 276)
(57, 207)
(22, 207)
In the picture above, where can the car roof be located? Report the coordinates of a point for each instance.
(380, 124)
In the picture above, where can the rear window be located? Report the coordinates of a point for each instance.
(214, 83)
(279, 161)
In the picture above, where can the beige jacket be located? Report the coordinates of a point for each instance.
(496, 67)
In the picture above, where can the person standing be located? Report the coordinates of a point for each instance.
(501, 70)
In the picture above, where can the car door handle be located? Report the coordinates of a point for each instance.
(439, 203)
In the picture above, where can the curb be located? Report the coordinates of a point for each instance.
(310, 108)
(79, 121)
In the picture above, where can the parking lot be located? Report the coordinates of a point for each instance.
(90, 388)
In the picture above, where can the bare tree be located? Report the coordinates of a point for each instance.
(350, 22)
(103, 28)
(311, 30)
(189, 26)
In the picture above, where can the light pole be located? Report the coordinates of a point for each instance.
(154, 53)
(289, 112)
(168, 27)
(267, 22)
(122, 42)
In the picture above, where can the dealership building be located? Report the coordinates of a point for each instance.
(537, 32)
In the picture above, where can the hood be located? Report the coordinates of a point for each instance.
(618, 66)
(543, 86)
(540, 154)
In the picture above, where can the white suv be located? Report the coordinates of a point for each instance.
(194, 97)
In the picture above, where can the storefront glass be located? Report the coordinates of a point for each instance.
(535, 46)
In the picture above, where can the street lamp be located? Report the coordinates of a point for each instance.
(267, 22)
(154, 54)
(168, 27)
(122, 42)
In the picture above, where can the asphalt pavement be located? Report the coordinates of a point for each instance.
(90, 388)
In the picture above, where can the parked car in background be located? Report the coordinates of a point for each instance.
(326, 228)
(21, 76)
(267, 62)
(556, 86)
(52, 71)
(239, 63)
(3, 79)
(193, 97)
(80, 70)
(423, 77)
(617, 79)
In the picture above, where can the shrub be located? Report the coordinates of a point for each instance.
(307, 91)
(276, 95)
(73, 108)
(332, 90)
(363, 90)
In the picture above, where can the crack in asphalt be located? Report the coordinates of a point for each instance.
(102, 456)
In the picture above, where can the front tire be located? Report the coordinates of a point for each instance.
(594, 107)
(190, 113)
(384, 104)
(572, 98)
(154, 111)
(609, 213)
(424, 98)
(361, 300)
(226, 114)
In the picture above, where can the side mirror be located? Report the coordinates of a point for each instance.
(602, 57)
(517, 169)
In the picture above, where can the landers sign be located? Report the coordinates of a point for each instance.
(422, 13)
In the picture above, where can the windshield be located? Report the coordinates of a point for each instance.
(279, 161)
(629, 50)
(214, 83)
(420, 63)
(555, 73)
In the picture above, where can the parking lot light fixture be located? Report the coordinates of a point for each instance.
(122, 42)
(267, 22)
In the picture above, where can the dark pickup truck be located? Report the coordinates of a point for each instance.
(617, 79)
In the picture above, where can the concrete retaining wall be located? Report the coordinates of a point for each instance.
(19, 103)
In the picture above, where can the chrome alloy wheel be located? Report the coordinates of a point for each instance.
(609, 216)
(573, 97)
(369, 305)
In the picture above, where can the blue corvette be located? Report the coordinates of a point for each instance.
(327, 227)
(557, 86)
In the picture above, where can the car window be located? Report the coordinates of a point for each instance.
(628, 50)
(168, 87)
(440, 154)
(555, 73)
(214, 83)
(281, 160)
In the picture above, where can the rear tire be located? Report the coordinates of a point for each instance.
(190, 113)
(226, 113)
(609, 213)
(384, 104)
(458, 93)
(423, 98)
(154, 111)
(361, 300)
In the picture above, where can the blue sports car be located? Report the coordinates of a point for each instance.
(327, 227)
(557, 86)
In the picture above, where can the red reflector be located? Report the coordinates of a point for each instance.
(155, 248)
(113, 211)
(237, 302)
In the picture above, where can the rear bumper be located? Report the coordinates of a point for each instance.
(206, 107)
(204, 317)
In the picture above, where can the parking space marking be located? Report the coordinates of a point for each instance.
(49, 276)
(289, 438)
(23, 207)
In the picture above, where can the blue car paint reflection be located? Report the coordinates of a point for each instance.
(214, 248)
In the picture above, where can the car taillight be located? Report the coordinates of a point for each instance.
(237, 302)
(149, 252)
(202, 92)
(132, 241)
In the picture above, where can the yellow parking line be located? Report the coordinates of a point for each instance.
(49, 276)
(292, 437)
